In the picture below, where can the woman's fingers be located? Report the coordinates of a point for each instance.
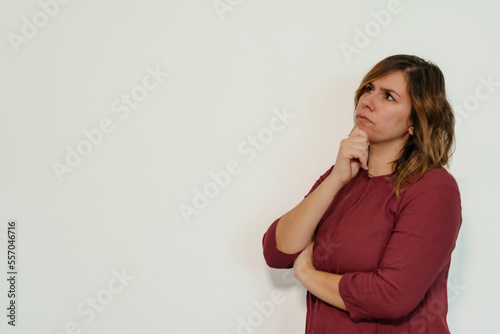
(352, 155)
(357, 132)
(359, 140)
(354, 148)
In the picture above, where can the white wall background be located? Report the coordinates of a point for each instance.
(118, 210)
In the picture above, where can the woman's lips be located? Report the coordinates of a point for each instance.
(364, 119)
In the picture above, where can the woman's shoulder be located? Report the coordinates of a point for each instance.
(438, 175)
(433, 180)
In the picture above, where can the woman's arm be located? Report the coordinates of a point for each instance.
(296, 228)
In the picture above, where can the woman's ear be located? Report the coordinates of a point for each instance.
(410, 130)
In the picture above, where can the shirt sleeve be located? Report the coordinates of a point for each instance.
(273, 256)
(418, 249)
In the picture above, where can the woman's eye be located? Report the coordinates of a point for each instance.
(389, 97)
(368, 89)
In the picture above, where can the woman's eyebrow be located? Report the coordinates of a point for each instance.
(387, 90)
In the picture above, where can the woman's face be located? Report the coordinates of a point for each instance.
(383, 110)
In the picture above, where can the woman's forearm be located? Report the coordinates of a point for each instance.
(296, 228)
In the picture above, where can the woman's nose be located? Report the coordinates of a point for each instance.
(369, 101)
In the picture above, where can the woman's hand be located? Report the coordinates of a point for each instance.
(323, 285)
(303, 264)
(353, 155)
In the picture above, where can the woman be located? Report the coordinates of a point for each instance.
(372, 240)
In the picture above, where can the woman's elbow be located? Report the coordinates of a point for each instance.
(276, 261)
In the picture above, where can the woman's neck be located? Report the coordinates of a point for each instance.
(380, 159)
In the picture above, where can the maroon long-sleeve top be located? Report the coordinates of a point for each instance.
(394, 255)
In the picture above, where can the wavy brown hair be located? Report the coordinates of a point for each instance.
(433, 139)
